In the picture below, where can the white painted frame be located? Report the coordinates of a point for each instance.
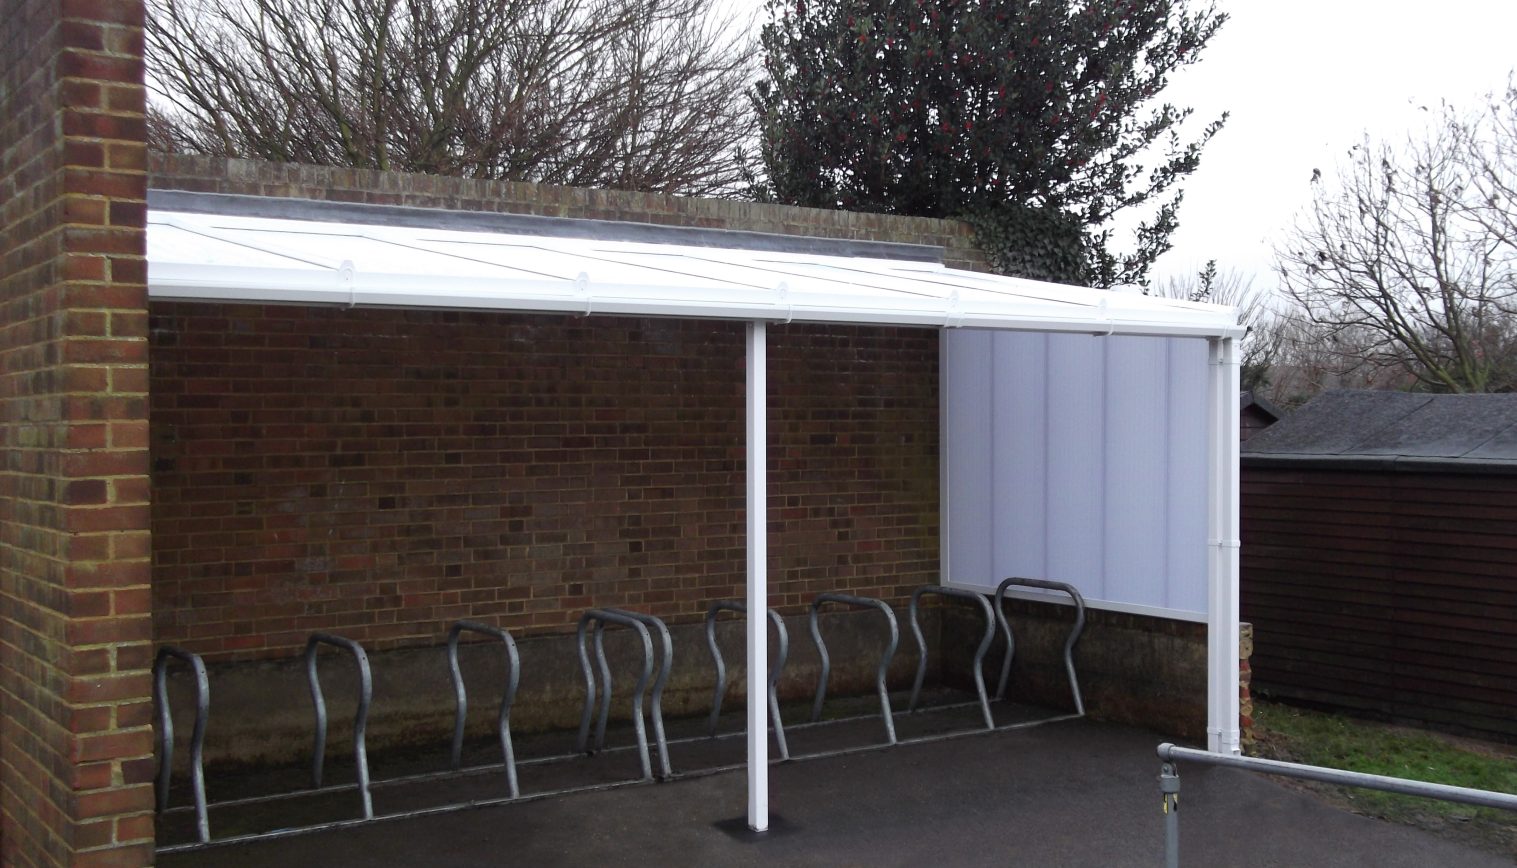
(1222, 574)
(757, 626)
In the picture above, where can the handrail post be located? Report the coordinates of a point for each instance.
(360, 719)
(979, 654)
(1169, 789)
(197, 735)
(821, 647)
(783, 653)
(1069, 643)
(503, 718)
(600, 617)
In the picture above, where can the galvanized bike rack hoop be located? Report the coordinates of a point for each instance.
(360, 718)
(639, 622)
(979, 654)
(364, 785)
(197, 735)
(783, 652)
(1069, 643)
(461, 697)
(821, 647)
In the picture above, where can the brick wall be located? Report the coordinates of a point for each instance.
(251, 177)
(75, 744)
(382, 473)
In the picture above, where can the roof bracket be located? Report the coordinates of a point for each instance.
(782, 290)
(582, 291)
(347, 280)
(1103, 316)
(954, 317)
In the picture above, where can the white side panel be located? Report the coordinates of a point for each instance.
(1137, 465)
(1079, 459)
(1020, 465)
(967, 453)
(1076, 494)
(1188, 426)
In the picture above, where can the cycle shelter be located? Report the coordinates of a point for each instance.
(256, 250)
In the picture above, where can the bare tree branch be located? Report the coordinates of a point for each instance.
(628, 94)
(1409, 263)
(1263, 340)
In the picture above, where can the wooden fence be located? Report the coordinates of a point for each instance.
(1383, 592)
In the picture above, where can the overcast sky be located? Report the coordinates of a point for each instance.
(1304, 80)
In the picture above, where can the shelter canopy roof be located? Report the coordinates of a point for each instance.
(236, 248)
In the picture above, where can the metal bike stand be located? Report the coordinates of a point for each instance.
(503, 719)
(364, 785)
(821, 647)
(774, 670)
(197, 736)
(979, 654)
(601, 617)
(360, 719)
(1069, 643)
(656, 705)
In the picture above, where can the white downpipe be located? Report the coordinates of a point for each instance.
(1222, 564)
(758, 581)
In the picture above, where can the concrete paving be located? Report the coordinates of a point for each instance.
(1072, 793)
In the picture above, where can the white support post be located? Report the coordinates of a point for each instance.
(758, 582)
(1222, 562)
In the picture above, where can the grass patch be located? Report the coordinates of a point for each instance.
(1337, 741)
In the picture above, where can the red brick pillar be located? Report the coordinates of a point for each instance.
(75, 619)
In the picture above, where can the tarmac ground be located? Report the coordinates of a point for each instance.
(1066, 793)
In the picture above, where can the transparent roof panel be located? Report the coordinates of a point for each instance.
(234, 256)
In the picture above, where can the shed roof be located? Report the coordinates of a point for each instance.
(240, 248)
(1393, 430)
(1265, 409)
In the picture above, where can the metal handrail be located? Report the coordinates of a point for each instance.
(1169, 786)
(360, 719)
(979, 654)
(821, 647)
(1069, 643)
(601, 617)
(197, 735)
(503, 719)
(774, 670)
